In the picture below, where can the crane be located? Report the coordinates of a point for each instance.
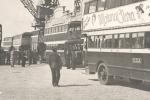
(40, 18)
(28, 4)
(49, 4)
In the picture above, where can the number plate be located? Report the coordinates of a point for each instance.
(137, 60)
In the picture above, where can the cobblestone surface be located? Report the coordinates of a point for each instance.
(34, 83)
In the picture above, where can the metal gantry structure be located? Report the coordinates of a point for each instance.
(28, 4)
(37, 14)
(51, 3)
(77, 5)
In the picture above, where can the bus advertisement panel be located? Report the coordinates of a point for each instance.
(123, 16)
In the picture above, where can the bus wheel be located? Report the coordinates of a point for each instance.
(103, 75)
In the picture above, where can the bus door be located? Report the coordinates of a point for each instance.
(78, 54)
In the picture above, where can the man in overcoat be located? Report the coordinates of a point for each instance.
(55, 63)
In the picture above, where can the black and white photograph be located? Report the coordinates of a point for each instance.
(74, 49)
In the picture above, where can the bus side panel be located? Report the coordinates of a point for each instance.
(93, 58)
(117, 63)
(129, 65)
(121, 64)
(110, 59)
(126, 65)
(146, 59)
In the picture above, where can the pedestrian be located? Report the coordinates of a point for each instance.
(8, 58)
(55, 63)
(35, 57)
(68, 59)
(73, 64)
(30, 57)
(12, 56)
(19, 57)
(24, 58)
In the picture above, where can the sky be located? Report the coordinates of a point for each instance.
(16, 19)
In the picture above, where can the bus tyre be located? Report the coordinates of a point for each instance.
(103, 75)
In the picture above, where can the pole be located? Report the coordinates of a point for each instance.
(0, 34)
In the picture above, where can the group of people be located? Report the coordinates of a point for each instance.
(2, 56)
(13, 57)
(20, 57)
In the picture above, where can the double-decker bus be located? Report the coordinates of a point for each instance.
(63, 34)
(7, 43)
(22, 41)
(74, 45)
(117, 39)
(34, 40)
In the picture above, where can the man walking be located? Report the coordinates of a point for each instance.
(23, 58)
(12, 56)
(55, 65)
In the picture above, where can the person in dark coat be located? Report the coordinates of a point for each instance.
(30, 57)
(8, 58)
(24, 58)
(12, 57)
(55, 63)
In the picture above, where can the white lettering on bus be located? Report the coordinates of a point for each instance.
(120, 16)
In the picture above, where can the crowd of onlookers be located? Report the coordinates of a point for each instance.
(13, 57)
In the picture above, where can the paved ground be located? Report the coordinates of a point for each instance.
(34, 83)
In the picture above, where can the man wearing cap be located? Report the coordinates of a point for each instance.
(55, 63)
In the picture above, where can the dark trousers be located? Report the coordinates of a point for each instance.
(55, 76)
(23, 62)
(68, 62)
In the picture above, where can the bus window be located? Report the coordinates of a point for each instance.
(141, 40)
(112, 3)
(127, 40)
(77, 28)
(90, 41)
(101, 5)
(92, 7)
(94, 41)
(99, 41)
(134, 40)
(103, 42)
(108, 41)
(86, 8)
(116, 41)
(121, 40)
(147, 40)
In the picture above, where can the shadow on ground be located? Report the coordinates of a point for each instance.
(93, 79)
(145, 86)
(72, 85)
